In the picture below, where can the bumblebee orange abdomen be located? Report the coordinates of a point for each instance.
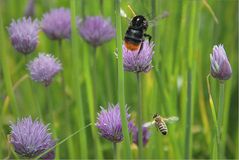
(132, 46)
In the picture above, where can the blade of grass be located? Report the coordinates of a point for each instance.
(62, 141)
(6, 71)
(189, 110)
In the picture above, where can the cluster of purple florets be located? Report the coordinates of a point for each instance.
(110, 125)
(31, 139)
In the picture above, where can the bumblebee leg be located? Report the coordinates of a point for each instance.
(149, 37)
(141, 47)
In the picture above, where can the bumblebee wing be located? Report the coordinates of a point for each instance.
(171, 120)
(123, 14)
(154, 21)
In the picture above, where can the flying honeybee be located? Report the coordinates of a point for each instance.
(160, 123)
(135, 34)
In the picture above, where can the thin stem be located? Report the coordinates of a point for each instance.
(67, 115)
(216, 130)
(220, 117)
(188, 116)
(114, 150)
(139, 112)
(94, 77)
(90, 99)
(101, 7)
(153, 7)
(83, 8)
(6, 100)
(62, 74)
(76, 85)
(121, 97)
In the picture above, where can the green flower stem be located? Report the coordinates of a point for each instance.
(139, 117)
(76, 86)
(188, 116)
(190, 69)
(121, 98)
(94, 71)
(68, 126)
(214, 153)
(114, 150)
(90, 99)
(220, 117)
(102, 7)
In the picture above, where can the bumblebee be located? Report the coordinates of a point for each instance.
(135, 34)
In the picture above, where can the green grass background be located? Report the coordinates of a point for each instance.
(185, 38)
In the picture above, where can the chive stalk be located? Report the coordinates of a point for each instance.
(121, 97)
(139, 116)
(220, 117)
(76, 83)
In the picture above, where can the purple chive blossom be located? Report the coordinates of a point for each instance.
(31, 138)
(146, 135)
(24, 34)
(57, 24)
(220, 66)
(43, 68)
(109, 123)
(96, 30)
(138, 61)
(30, 8)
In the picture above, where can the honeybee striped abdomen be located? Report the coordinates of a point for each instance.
(161, 125)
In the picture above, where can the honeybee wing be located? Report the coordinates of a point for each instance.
(148, 124)
(171, 120)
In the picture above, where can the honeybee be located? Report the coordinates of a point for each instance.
(160, 122)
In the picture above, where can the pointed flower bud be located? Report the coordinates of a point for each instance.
(138, 61)
(220, 66)
(43, 68)
(24, 34)
(31, 138)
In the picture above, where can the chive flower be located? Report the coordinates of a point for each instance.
(110, 125)
(220, 66)
(31, 138)
(24, 35)
(138, 60)
(43, 68)
(146, 135)
(57, 24)
(96, 30)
